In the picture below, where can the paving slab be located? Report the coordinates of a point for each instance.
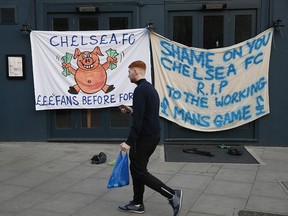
(30, 179)
(268, 205)
(58, 179)
(65, 202)
(10, 191)
(269, 189)
(7, 213)
(238, 175)
(56, 185)
(253, 213)
(190, 181)
(218, 205)
(229, 188)
(23, 201)
(33, 212)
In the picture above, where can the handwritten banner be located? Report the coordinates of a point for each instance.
(216, 89)
(86, 69)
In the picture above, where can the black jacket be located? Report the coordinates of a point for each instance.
(146, 121)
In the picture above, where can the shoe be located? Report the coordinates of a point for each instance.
(234, 152)
(176, 202)
(132, 208)
(99, 159)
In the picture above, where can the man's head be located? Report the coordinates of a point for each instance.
(137, 70)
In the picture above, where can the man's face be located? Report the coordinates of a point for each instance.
(132, 75)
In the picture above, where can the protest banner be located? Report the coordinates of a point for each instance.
(86, 69)
(216, 89)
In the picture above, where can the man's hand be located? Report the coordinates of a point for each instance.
(125, 109)
(124, 147)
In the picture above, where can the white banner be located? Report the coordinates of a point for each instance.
(216, 89)
(86, 69)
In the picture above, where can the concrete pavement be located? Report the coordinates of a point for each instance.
(57, 179)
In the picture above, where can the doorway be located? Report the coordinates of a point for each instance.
(208, 30)
(88, 124)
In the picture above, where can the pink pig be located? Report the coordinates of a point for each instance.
(90, 76)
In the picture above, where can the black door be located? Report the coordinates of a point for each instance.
(105, 124)
(211, 29)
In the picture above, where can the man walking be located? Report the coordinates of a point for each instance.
(143, 138)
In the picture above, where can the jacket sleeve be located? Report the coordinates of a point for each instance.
(139, 103)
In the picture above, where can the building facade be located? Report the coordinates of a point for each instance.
(196, 23)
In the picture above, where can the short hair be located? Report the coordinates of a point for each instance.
(138, 64)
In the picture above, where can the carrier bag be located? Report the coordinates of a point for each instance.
(120, 174)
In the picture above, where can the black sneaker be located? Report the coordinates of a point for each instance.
(131, 207)
(176, 202)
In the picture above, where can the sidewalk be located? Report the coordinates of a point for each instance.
(57, 179)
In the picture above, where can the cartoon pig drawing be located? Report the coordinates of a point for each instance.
(90, 76)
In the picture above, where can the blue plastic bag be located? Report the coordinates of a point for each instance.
(120, 173)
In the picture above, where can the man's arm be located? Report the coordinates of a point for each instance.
(139, 103)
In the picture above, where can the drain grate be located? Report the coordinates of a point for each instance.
(253, 213)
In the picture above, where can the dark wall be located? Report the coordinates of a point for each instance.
(273, 127)
(20, 121)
